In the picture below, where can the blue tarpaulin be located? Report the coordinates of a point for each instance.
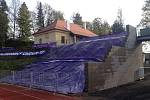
(62, 68)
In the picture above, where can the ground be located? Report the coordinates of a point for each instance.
(139, 90)
(11, 92)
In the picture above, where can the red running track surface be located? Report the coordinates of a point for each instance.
(11, 92)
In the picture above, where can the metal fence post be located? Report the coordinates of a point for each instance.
(141, 73)
(13, 75)
(43, 78)
(56, 83)
(1, 75)
(31, 79)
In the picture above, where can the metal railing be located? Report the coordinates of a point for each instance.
(142, 73)
(146, 70)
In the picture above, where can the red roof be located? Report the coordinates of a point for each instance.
(62, 25)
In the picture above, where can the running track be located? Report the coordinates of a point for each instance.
(10, 92)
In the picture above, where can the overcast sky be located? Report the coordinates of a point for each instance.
(90, 9)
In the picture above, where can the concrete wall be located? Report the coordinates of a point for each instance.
(54, 36)
(119, 68)
(132, 37)
(68, 38)
(45, 37)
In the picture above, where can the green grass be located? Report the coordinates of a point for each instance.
(15, 63)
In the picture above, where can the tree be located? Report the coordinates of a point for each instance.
(47, 15)
(50, 15)
(89, 26)
(3, 22)
(77, 19)
(34, 27)
(100, 27)
(4, 6)
(97, 23)
(58, 15)
(24, 23)
(40, 16)
(145, 21)
(118, 25)
(106, 29)
(119, 17)
(13, 12)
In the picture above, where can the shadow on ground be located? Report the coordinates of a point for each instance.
(139, 90)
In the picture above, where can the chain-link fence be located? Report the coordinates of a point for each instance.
(56, 82)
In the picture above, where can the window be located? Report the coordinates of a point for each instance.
(63, 39)
(40, 41)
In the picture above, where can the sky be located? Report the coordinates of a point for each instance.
(90, 9)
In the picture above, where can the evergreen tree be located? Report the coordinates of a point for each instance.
(118, 25)
(100, 27)
(3, 22)
(24, 22)
(106, 29)
(40, 16)
(77, 19)
(97, 23)
(145, 21)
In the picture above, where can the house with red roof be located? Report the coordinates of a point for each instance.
(61, 32)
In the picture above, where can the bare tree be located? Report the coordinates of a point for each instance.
(48, 14)
(34, 27)
(118, 25)
(13, 10)
(120, 16)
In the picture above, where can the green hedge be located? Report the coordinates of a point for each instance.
(18, 43)
(15, 64)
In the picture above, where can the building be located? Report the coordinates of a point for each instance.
(145, 32)
(61, 32)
